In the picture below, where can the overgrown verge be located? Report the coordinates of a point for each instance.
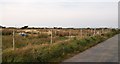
(48, 53)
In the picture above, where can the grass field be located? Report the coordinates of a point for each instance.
(50, 45)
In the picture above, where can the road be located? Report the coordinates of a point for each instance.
(106, 51)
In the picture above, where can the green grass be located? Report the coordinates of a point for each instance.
(47, 53)
(55, 51)
(24, 41)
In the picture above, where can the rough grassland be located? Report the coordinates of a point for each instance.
(55, 52)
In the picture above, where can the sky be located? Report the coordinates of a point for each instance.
(59, 13)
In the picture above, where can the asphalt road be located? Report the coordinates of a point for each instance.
(106, 51)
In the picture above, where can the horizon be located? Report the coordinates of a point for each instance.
(52, 27)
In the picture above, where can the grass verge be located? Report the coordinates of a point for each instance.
(54, 52)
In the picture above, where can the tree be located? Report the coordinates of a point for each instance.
(24, 27)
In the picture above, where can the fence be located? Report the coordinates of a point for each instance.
(23, 37)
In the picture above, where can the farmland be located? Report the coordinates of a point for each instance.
(46, 45)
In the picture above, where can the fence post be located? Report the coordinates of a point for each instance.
(70, 33)
(81, 32)
(13, 39)
(91, 32)
(102, 30)
(94, 31)
(51, 36)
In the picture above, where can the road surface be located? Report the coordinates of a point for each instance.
(106, 51)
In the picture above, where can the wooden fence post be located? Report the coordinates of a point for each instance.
(94, 31)
(13, 39)
(51, 36)
(81, 32)
(70, 33)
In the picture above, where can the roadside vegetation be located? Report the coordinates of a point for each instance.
(39, 49)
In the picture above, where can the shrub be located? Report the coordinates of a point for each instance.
(43, 36)
(61, 33)
(7, 32)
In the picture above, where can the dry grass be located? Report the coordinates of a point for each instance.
(33, 50)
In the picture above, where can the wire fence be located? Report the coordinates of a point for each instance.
(17, 38)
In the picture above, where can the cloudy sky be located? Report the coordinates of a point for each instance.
(62, 13)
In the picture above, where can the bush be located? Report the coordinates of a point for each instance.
(43, 36)
(7, 32)
(62, 34)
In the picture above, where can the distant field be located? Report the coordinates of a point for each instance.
(44, 44)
